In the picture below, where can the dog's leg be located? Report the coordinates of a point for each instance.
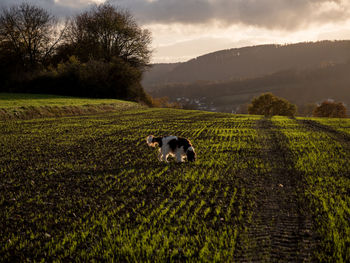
(160, 155)
(165, 153)
(178, 157)
(165, 157)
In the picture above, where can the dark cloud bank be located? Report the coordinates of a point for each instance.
(271, 14)
(57, 9)
(285, 14)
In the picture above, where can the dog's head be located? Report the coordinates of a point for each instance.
(151, 141)
(191, 155)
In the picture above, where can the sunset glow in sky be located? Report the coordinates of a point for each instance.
(184, 29)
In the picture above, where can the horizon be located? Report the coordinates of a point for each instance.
(183, 30)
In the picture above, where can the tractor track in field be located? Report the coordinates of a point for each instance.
(281, 228)
(341, 137)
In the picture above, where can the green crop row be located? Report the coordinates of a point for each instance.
(324, 162)
(342, 125)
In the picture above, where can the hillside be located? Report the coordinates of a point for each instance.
(156, 72)
(82, 189)
(249, 62)
(301, 87)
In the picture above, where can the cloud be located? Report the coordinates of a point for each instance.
(272, 14)
(59, 8)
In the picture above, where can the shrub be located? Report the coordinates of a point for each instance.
(330, 109)
(94, 79)
(268, 104)
(164, 102)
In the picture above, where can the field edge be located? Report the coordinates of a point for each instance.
(33, 106)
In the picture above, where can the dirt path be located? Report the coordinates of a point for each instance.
(280, 228)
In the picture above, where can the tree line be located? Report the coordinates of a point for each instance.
(269, 105)
(98, 53)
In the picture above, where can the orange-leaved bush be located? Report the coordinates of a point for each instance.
(330, 109)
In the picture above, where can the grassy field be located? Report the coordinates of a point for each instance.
(28, 106)
(89, 189)
(16, 100)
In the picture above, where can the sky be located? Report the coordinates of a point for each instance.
(184, 29)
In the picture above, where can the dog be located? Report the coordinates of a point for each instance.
(174, 146)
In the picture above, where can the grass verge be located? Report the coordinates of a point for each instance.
(30, 106)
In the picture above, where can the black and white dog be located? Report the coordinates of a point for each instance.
(174, 146)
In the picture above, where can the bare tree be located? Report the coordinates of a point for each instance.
(105, 32)
(30, 33)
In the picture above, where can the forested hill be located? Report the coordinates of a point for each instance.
(156, 73)
(301, 87)
(250, 62)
